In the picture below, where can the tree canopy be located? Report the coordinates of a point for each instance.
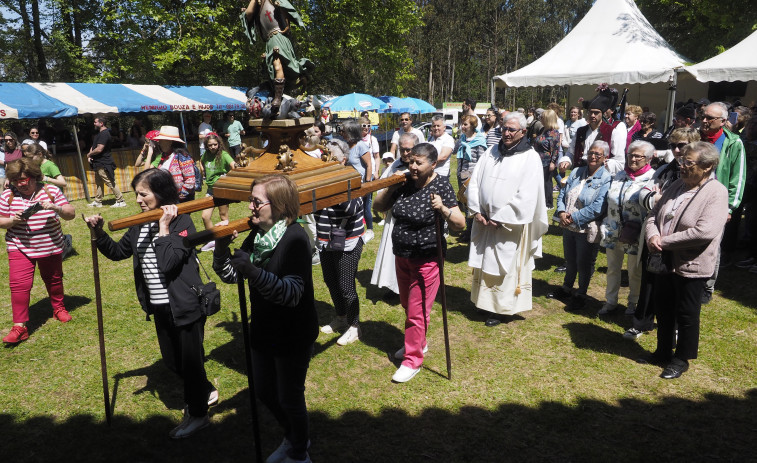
(439, 50)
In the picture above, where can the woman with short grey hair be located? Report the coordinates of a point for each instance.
(622, 229)
(683, 235)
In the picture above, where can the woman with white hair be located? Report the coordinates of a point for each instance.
(683, 234)
(622, 229)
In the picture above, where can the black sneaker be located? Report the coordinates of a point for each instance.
(577, 302)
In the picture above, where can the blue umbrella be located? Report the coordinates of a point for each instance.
(395, 105)
(357, 102)
(419, 106)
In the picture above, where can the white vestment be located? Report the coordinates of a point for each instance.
(510, 191)
(384, 273)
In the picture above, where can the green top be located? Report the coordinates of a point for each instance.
(49, 169)
(234, 129)
(214, 169)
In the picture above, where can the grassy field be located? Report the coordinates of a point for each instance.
(547, 386)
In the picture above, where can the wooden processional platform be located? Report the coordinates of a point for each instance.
(321, 182)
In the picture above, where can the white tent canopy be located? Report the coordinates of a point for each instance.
(613, 43)
(737, 63)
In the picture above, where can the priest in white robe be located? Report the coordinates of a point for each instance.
(506, 199)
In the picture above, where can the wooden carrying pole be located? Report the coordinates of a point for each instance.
(101, 334)
(242, 225)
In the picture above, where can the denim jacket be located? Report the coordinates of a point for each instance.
(593, 195)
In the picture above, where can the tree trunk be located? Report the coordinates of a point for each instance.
(39, 52)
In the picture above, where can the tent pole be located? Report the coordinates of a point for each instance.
(81, 164)
(494, 87)
(183, 132)
(671, 100)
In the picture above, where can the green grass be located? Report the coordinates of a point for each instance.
(549, 385)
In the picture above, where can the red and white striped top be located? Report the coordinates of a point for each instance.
(41, 235)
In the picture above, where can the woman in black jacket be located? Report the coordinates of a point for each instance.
(164, 273)
(275, 258)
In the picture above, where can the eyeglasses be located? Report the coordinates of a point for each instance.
(711, 118)
(596, 154)
(257, 204)
(679, 146)
(687, 163)
(365, 126)
(404, 119)
(33, 133)
(406, 150)
(511, 130)
(636, 156)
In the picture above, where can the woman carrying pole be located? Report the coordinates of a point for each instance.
(275, 259)
(415, 248)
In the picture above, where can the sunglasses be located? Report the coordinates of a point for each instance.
(404, 119)
(680, 146)
(33, 133)
(366, 126)
(711, 118)
(257, 204)
(8, 139)
(23, 181)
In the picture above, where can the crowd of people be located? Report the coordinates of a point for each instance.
(620, 186)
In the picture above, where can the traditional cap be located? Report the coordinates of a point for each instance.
(606, 98)
(169, 132)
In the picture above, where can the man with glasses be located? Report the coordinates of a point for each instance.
(444, 144)
(506, 200)
(406, 126)
(614, 134)
(731, 172)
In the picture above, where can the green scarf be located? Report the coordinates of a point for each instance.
(265, 243)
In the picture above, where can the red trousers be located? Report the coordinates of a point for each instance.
(418, 282)
(21, 279)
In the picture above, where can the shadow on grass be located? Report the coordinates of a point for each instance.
(599, 339)
(41, 311)
(671, 429)
(160, 383)
(737, 285)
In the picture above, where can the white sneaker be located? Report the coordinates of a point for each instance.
(280, 454)
(400, 354)
(404, 374)
(213, 397)
(382, 223)
(209, 246)
(607, 308)
(630, 308)
(351, 335)
(119, 204)
(632, 333)
(367, 236)
(95, 204)
(189, 426)
(316, 259)
(338, 324)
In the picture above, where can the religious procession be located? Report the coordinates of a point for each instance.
(364, 245)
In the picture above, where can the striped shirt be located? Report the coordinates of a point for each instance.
(493, 136)
(41, 235)
(347, 215)
(155, 281)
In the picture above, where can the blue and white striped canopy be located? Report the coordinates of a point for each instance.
(37, 100)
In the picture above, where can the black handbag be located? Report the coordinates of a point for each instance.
(660, 263)
(208, 294)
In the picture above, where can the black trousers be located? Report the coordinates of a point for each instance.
(339, 273)
(182, 351)
(678, 300)
(548, 193)
(643, 318)
(280, 385)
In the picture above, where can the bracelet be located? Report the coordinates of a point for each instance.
(449, 214)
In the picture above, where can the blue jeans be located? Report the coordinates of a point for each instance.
(580, 258)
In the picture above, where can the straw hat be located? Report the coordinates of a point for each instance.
(169, 132)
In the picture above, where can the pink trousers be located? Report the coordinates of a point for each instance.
(21, 279)
(418, 281)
